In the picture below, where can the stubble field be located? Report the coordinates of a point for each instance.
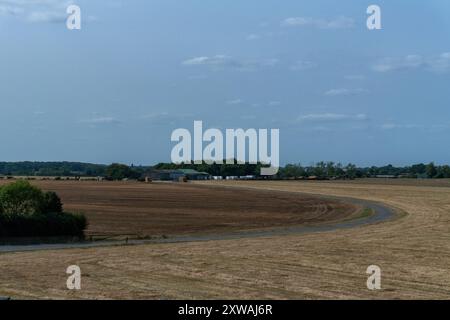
(412, 250)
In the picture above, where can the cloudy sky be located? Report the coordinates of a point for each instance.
(138, 69)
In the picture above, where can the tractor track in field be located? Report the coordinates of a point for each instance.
(379, 213)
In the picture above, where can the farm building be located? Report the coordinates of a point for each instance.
(386, 176)
(175, 175)
(195, 175)
(247, 177)
(163, 175)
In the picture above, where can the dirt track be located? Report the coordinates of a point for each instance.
(413, 252)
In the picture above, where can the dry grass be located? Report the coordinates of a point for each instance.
(413, 252)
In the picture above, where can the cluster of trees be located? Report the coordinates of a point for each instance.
(321, 170)
(69, 169)
(114, 171)
(26, 211)
(332, 170)
(118, 171)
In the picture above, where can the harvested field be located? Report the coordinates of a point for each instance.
(130, 208)
(413, 252)
(396, 182)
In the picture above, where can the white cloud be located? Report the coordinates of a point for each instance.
(406, 126)
(336, 23)
(102, 120)
(391, 126)
(44, 16)
(274, 103)
(198, 77)
(220, 62)
(35, 10)
(354, 77)
(165, 118)
(265, 62)
(253, 36)
(248, 117)
(438, 63)
(216, 60)
(301, 65)
(320, 129)
(331, 117)
(441, 63)
(235, 101)
(390, 64)
(10, 10)
(345, 92)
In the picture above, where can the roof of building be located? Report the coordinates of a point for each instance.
(192, 171)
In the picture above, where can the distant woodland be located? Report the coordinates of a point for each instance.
(320, 170)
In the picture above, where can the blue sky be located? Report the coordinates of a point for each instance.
(138, 69)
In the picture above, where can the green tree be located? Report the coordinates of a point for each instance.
(52, 203)
(26, 211)
(330, 169)
(117, 171)
(418, 169)
(21, 198)
(292, 171)
(351, 171)
(445, 171)
(431, 170)
(320, 169)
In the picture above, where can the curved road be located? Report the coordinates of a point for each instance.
(380, 213)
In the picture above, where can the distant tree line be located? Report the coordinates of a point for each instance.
(320, 170)
(329, 170)
(68, 169)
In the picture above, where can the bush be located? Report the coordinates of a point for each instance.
(26, 211)
(52, 203)
(42, 225)
(21, 198)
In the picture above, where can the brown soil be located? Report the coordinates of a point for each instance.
(138, 209)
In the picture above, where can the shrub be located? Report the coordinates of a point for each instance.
(51, 202)
(42, 225)
(26, 211)
(21, 198)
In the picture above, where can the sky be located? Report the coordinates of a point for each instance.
(138, 69)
